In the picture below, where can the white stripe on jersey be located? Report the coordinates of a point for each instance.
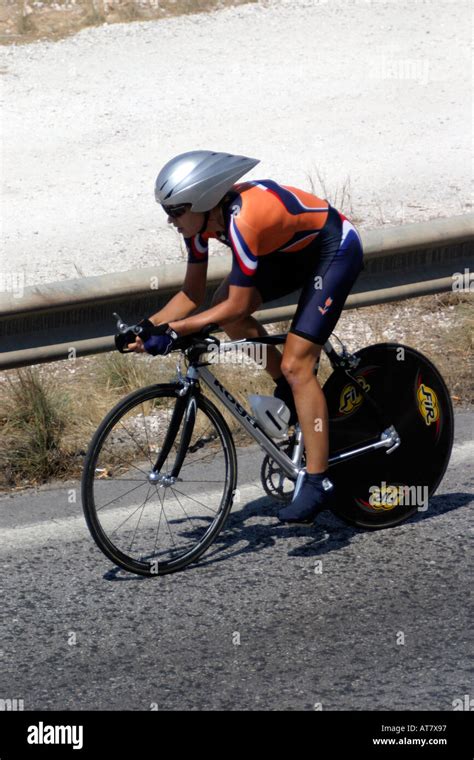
(246, 260)
(201, 248)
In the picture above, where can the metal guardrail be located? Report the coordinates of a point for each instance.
(49, 320)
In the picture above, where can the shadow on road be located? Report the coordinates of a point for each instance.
(328, 534)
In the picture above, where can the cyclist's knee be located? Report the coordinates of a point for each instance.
(294, 369)
(298, 369)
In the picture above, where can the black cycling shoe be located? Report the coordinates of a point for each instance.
(314, 496)
(283, 391)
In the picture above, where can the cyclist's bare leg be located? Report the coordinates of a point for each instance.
(298, 362)
(248, 327)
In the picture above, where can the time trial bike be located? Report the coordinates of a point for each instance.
(160, 473)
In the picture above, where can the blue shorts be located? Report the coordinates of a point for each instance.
(338, 262)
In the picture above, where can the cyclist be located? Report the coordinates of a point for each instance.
(282, 239)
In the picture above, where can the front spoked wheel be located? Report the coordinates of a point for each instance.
(380, 489)
(151, 519)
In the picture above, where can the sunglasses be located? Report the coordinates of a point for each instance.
(175, 211)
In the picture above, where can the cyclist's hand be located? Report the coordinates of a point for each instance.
(138, 346)
(154, 339)
(128, 342)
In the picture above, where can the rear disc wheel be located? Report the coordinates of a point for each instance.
(377, 490)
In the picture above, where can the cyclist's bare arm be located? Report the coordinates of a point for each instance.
(187, 300)
(240, 302)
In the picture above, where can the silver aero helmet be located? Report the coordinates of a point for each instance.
(200, 177)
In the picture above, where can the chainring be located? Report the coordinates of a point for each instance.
(275, 483)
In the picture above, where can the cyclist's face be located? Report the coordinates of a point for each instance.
(188, 223)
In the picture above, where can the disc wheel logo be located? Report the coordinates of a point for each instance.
(427, 404)
(382, 498)
(351, 397)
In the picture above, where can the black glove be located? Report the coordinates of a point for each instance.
(147, 329)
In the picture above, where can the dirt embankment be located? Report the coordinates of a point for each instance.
(22, 21)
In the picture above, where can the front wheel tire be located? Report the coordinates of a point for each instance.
(146, 521)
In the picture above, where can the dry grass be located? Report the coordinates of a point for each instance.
(33, 417)
(117, 373)
(24, 21)
(339, 197)
(48, 413)
(457, 349)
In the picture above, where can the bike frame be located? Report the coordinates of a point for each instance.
(198, 370)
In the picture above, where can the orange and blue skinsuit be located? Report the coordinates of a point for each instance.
(283, 239)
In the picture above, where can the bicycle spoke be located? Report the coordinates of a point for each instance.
(193, 499)
(122, 495)
(127, 480)
(141, 514)
(167, 522)
(179, 502)
(146, 435)
(140, 506)
(159, 521)
(122, 462)
(198, 461)
(146, 455)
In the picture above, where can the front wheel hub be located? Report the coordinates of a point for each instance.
(158, 478)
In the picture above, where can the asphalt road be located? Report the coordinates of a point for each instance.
(384, 625)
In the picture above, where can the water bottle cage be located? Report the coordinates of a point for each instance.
(271, 413)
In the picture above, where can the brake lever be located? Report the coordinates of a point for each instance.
(123, 328)
(125, 334)
(210, 338)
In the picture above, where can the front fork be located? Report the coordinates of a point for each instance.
(186, 406)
